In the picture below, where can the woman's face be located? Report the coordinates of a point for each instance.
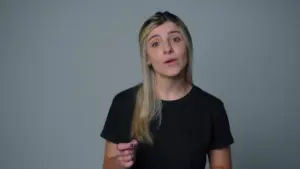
(166, 50)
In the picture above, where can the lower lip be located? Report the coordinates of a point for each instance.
(171, 62)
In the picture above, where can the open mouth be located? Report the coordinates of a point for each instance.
(170, 60)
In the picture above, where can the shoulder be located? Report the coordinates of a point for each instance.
(118, 121)
(206, 97)
(213, 105)
(123, 101)
(127, 94)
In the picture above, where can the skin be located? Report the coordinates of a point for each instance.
(163, 43)
(119, 156)
(220, 158)
(166, 42)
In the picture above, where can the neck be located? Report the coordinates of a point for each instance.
(171, 88)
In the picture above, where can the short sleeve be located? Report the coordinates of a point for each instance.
(112, 127)
(221, 133)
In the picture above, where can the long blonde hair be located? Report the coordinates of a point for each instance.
(147, 105)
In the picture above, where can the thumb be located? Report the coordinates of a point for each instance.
(134, 143)
(125, 146)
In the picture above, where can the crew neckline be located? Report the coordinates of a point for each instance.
(187, 95)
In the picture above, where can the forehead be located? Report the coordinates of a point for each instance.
(164, 29)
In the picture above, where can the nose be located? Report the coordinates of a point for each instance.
(167, 48)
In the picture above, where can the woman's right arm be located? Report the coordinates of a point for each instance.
(110, 157)
(119, 156)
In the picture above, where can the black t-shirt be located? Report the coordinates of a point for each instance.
(191, 126)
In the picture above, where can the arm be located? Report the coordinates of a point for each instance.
(220, 158)
(111, 133)
(110, 157)
(118, 154)
(220, 150)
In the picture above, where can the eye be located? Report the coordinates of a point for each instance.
(154, 44)
(176, 39)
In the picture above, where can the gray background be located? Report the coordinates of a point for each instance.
(63, 61)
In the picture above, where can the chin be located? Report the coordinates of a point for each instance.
(172, 73)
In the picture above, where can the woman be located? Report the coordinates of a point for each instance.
(166, 122)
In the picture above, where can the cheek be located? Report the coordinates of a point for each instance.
(184, 60)
(182, 52)
(183, 56)
(153, 56)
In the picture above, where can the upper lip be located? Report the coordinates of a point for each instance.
(170, 60)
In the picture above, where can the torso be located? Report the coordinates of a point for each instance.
(183, 139)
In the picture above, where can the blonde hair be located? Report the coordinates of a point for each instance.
(147, 105)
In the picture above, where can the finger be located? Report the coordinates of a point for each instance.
(127, 164)
(122, 154)
(130, 145)
(127, 158)
(134, 143)
(124, 146)
(124, 159)
(126, 152)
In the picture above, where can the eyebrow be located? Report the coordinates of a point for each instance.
(171, 32)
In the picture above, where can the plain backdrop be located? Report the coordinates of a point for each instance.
(62, 61)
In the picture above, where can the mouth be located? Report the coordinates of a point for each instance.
(170, 61)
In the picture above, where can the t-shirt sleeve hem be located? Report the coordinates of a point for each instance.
(221, 145)
(109, 138)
